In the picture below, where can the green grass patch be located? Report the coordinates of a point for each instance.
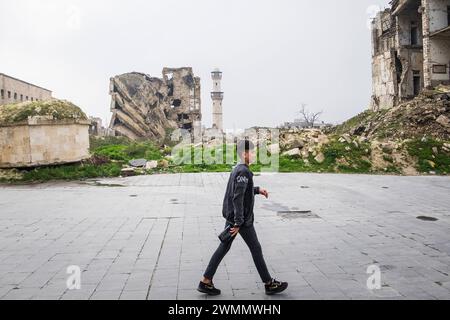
(393, 169)
(109, 155)
(354, 157)
(294, 164)
(97, 142)
(388, 158)
(127, 152)
(427, 161)
(72, 172)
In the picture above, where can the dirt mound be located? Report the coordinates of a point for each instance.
(56, 109)
(411, 138)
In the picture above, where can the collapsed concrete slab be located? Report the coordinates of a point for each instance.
(146, 107)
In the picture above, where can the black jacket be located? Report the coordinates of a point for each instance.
(240, 197)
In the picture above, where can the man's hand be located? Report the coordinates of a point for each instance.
(264, 193)
(234, 231)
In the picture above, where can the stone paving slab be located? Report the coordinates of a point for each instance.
(151, 237)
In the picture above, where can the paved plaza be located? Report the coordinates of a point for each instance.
(151, 237)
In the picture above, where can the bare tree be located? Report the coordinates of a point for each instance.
(310, 117)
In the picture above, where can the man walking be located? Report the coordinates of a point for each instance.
(238, 212)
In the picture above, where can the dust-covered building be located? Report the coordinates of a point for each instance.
(410, 50)
(148, 107)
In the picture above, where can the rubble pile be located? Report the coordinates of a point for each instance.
(426, 115)
(411, 138)
(303, 143)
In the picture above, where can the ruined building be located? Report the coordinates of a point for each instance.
(97, 129)
(411, 50)
(147, 107)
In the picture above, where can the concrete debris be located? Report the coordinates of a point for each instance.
(305, 139)
(138, 163)
(446, 147)
(293, 152)
(151, 165)
(295, 144)
(443, 120)
(427, 115)
(345, 138)
(435, 150)
(320, 158)
(128, 172)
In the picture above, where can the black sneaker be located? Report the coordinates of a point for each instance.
(209, 289)
(275, 287)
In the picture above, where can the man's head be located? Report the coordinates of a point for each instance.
(245, 151)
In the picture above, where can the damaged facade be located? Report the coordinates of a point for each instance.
(410, 50)
(147, 107)
(96, 128)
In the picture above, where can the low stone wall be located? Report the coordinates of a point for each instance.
(42, 141)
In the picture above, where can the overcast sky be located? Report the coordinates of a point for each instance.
(274, 54)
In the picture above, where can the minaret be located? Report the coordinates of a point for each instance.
(217, 97)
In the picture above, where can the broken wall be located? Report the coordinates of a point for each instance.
(440, 58)
(436, 20)
(384, 81)
(437, 14)
(184, 94)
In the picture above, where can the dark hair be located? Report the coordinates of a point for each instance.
(244, 146)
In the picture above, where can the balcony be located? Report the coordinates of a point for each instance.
(443, 33)
(405, 6)
(217, 95)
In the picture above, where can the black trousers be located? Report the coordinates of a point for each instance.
(251, 239)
